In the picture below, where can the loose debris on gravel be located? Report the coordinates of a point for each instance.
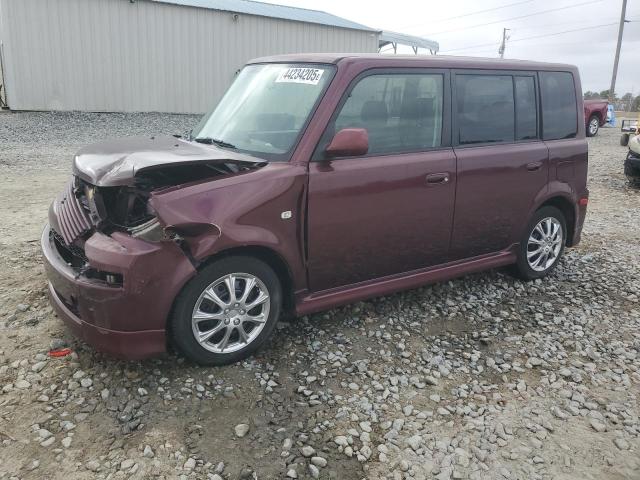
(484, 377)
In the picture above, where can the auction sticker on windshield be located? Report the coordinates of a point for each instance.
(300, 75)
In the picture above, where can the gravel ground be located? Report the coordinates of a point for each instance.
(484, 377)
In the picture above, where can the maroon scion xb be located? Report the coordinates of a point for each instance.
(318, 180)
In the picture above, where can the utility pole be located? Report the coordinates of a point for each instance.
(503, 45)
(612, 89)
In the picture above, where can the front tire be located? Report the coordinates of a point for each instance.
(593, 126)
(542, 244)
(227, 311)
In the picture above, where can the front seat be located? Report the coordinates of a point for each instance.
(374, 117)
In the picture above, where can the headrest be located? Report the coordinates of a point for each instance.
(374, 110)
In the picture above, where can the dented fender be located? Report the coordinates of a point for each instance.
(261, 208)
(200, 237)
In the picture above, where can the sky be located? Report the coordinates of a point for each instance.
(472, 27)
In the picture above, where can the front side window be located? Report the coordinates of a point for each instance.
(401, 112)
(265, 109)
(485, 109)
(559, 110)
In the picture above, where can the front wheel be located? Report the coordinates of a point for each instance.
(593, 126)
(542, 244)
(227, 311)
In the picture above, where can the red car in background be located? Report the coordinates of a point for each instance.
(595, 113)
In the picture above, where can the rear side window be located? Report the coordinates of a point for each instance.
(559, 110)
(485, 107)
(401, 112)
(526, 110)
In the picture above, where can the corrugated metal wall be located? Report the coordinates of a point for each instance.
(114, 55)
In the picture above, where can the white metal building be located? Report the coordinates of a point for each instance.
(151, 55)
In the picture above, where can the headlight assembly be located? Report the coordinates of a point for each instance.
(151, 231)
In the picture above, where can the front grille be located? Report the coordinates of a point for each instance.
(75, 257)
(72, 254)
(73, 220)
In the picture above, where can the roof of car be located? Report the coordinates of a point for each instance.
(433, 61)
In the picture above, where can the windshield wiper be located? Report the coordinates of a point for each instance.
(215, 141)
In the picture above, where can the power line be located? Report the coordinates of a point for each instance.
(574, 22)
(472, 13)
(492, 47)
(514, 18)
(532, 37)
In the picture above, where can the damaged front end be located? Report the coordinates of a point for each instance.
(114, 267)
(83, 209)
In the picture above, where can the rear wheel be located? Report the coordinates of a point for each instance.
(593, 126)
(227, 311)
(542, 244)
(624, 139)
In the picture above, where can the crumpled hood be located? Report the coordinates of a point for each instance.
(116, 162)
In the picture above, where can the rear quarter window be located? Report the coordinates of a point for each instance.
(559, 107)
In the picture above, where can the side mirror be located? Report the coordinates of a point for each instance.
(349, 142)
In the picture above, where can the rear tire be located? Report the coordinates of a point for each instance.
(227, 311)
(624, 139)
(593, 126)
(542, 244)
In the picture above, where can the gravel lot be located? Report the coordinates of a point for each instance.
(484, 377)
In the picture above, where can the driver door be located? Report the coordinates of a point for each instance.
(389, 211)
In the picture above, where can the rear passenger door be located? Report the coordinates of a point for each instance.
(502, 164)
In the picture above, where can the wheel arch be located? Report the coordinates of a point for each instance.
(568, 210)
(269, 256)
(598, 115)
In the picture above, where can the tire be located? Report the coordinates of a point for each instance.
(524, 267)
(224, 315)
(624, 140)
(632, 173)
(592, 126)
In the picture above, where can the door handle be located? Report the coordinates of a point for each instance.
(533, 166)
(437, 178)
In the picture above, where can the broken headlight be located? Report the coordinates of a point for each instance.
(151, 231)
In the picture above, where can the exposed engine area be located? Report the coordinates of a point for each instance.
(83, 208)
(126, 208)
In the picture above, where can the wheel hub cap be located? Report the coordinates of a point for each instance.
(544, 244)
(230, 313)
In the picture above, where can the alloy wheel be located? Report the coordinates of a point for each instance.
(230, 313)
(544, 244)
(593, 126)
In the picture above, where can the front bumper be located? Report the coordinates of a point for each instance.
(126, 320)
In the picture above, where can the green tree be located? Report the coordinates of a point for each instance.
(605, 95)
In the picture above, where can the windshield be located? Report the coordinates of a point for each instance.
(265, 109)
